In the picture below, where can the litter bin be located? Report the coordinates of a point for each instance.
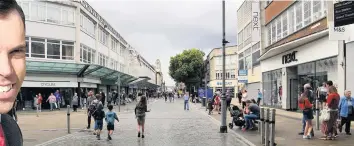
(204, 101)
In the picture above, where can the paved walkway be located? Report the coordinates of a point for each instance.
(52, 124)
(288, 125)
(166, 125)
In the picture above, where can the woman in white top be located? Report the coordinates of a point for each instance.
(244, 98)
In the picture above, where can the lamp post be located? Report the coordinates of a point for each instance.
(223, 127)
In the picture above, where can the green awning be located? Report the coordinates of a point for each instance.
(71, 68)
(53, 67)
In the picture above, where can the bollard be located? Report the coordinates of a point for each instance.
(68, 118)
(266, 127)
(37, 110)
(272, 127)
(317, 115)
(118, 104)
(261, 125)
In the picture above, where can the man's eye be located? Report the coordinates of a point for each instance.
(18, 51)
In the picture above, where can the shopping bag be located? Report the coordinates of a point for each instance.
(325, 114)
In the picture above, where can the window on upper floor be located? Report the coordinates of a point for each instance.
(299, 15)
(248, 62)
(103, 60)
(103, 36)
(247, 34)
(87, 25)
(285, 24)
(296, 17)
(48, 12)
(307, 12)
(49, 48)
(274, 38)
(232, 74)
(255, 57)
(248, 51)
(240, 40)
(269, 34)
(241, 64)
(279, 27)
(87, 54)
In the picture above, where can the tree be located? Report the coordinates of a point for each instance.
(187, 67)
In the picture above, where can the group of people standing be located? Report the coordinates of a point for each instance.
(335, 108)
(54, 100)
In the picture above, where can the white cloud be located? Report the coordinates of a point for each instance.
(161, 29)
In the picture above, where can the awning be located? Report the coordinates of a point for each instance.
(138, 81)
(79, 69)
(53, 67)
(291, 45)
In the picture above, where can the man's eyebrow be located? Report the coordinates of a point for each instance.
(20, 46)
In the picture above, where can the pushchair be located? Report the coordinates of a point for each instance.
(237, 117)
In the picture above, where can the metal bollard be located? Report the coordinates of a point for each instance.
(272, 127)
(68, 118)
(266, 127)
(317, 115)
(37, 110)
(261, 125)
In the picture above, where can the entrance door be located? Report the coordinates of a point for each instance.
(293, 93)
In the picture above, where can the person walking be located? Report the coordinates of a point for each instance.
(58, 99)
(75, 102)
(186, 101)
(103, 98)
(307, 92)
(346, 110)
(110, 117)
(91, 108)
(140, 114)
(322, 95)
(217, 102)
(239, 96)
(40, 100)
(244, 98)
(52, 101)
(98, 116)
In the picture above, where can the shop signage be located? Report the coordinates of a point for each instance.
(49, 84)
(343, 13)
(226, 83)
(242, 72)
(242, 79)
(288, 58)
(256, 37)
(101, 20)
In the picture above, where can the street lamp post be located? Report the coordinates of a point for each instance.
(223, 127)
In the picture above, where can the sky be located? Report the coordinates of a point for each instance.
(159, 29)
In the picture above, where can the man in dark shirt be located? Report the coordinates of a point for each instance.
(13, 67)
(251, 114)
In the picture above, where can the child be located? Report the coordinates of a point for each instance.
(98, 115)
(210, 106)
(110, 117)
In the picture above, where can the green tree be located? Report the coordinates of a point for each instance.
(187, 67)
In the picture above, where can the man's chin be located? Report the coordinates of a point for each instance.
(5, 106)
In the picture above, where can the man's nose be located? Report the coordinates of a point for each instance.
(5, 65)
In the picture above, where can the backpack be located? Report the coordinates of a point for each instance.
(110, 118)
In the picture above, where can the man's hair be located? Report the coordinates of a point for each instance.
(110, 107)
(6, 6)
(329, 83)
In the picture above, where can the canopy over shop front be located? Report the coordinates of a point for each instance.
(105, 74)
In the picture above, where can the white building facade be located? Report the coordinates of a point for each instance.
(249, 29)
(296, 50)
(71, 48)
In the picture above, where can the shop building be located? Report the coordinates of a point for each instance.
(248, 28)
(71, 48)
(296, 50)
(214, 61)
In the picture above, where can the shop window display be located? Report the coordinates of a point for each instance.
(272, 88)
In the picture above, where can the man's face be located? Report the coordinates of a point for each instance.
(348, 94)
(12, 59)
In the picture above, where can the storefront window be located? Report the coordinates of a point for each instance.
(326, 70)
(306, 73)
(272, 88)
